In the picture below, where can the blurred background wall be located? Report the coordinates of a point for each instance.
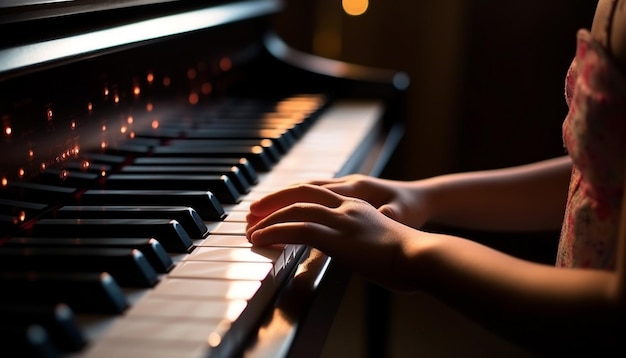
(487, 90)
(487, 75)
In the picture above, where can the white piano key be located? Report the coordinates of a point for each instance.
(237, 215)
(154, 348)
(252, 196)
(153, 306)
(160, 329)
(228, 228)
(255, 271)
(225, 240)
(234, 254)
(205, 289)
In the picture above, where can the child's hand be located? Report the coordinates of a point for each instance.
(402, 201)
(345, 228)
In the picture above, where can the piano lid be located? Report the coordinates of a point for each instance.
(51, 31)
(24, 10)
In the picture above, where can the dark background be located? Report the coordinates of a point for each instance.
(487, 76)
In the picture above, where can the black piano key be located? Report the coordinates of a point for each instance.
(57, 319)
(87, 167)
(233, 172)
(295, 128)
(168, 232)
(149, 247)
(147, 142)
(31, 341)
(18, 208)
(28, 191)
(186, 216)
(127, 148)
(203, 202)
(274, 152)
(220, 185)
(281, 137)
(66, 177)
(89, 292)
(129, 267)
(242, 163)
(102, 158)
(255, 154)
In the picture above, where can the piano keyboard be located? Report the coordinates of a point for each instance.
(168, 271)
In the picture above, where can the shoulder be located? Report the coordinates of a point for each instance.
(616, 22)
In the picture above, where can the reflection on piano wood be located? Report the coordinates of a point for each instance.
(124, 190)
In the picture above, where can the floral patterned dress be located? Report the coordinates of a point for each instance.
(594, 134)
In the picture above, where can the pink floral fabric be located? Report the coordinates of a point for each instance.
(594, 134)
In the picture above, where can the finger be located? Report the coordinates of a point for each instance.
(311, 234)
(305, 193)
(299, 212)
(252, 220)
(320, 182)
(341, 188)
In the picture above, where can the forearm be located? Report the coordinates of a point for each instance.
(528, 197)
(523, 301)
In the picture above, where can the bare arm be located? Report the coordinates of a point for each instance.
(527, 197)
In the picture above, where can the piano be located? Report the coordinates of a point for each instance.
(133, 136)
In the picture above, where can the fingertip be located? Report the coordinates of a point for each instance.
(253, 237)
(253, 205)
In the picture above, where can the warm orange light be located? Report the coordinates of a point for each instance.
(193, 98)
(103, 173)
(103, 128)
(206, 88)
(155, 124)
(136, 91)
(21, 172)
(90, 106)
(106, 91)
(116, 99)
(103, 144)
(5, 181)
(150, 77)
(22, 216)
(355, 7)
(226, 64)
(49, 114)
(192, 73)
(8, 130)
(214, 339)
(130, 120)
(85, 164)
(123, 129)
(73, 125)
(31, 153)
(149, 107)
